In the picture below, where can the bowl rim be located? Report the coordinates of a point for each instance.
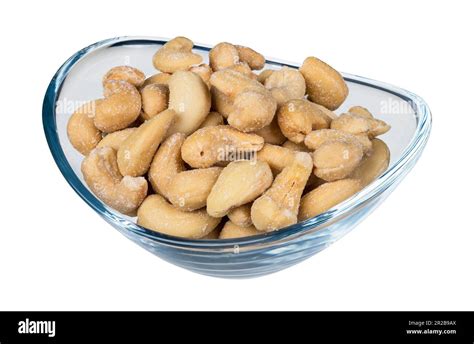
(410, 153)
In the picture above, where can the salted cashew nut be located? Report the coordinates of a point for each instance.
(81, 131)
(255, 60)
(263, 75)
(226, 55)
(324, 85)
(326, 196)
(154, 100)
(158, 215)
(190, 98)
(210, 145)
(298, 117)
(286, 84)
(126, 73)
(186, 190)
(233, 231)
(374, 164)
(298, 147)
(239, 183)
(212, 119)
(204, 71)
(102, 175)
(360, 125)
(120, 108)
(114, 140)
(278, 206)
(221, 103)
(136, 152)
(272, 133)
(316, 138)
(176, 55)
(253, 107)
(159, 78)
(240, 216)
(276, 157)
(360, 111)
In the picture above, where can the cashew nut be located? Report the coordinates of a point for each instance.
(176, 55)
(360, 111)
(210, 145)
(233, 231)
(226, 55)
(221, 103)
(253, 105)
(286, 84)
(316, 138)
(299, 147)
(190, 98)
(212, 119)
(278, 206)
(120, 108)
(298, 117)
(158, 215)
(326, 196)
(356, 124)
(240, 216)
(159, 78)
(373, 165)
(136, 152)
(204, 71)
(239, 183)
(276, 157)
(324, 85)
(102, 175)
(272, 133)
(81, 131)
(263, 75)
(154, 100)
(254, 59)
(115, 139)
(187, 190)
(125, 73)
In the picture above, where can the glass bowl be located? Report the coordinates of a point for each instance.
(79, 80)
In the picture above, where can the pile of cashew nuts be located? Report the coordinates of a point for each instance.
(218, 151)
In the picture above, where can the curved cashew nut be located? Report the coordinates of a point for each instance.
(278, 206)
(81, 131)
(326, 196)
(316, 138)
(187, 190)
(115, 139)
(190, 98)
(360, 111)
(240, 216)
(272, 133)
(286, 84)
(239, 183)
(158, 215)
(357, 124)
(226, 55)
(254, 59)
(210, 145)
(253, 105)
(204, 71)
(221, 103)
(159, 78)
(102, 175)
(154, 100)
(232, 231)
(324, 85)
(298, 117)
(120, 108)
(126, 73)
(374, 164)
(176, 55)
(212, 119)
(136, 152)
(276, 157)
(264, 75)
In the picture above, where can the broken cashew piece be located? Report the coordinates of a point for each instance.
(102, 175)
(81, 131)
(190, 98)
(158, 215)
(136, 152)
(210, 145)
(298, 117)
(286, 84)
(324, 85)
(239, 183)
(176, 55)
(126, 73)
(326, 196)
(120, 108)
(360, 111)
(374, 164)
(278, 206)
(233, 231)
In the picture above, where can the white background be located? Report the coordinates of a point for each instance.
(415, 252)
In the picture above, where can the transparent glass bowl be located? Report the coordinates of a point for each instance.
(79, 80)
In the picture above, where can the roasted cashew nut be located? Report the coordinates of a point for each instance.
(316, 138)
(176, 55)
(286, 84)
(298, 117)
(186, 190)
(210, 145)
(101, 173)
(136, 152)
(324, 85)
(114, 140)
(158, 215)
(159, 78)
(120, 108)
(240, 216)
(374, 164)
(272, 133)
(278, 206)
(239, 183)
(81, 131)
(154, 100)
(233, 231)
(226, 55)
(360, 125)
(212, 119)
(132, 75)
